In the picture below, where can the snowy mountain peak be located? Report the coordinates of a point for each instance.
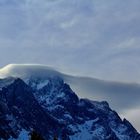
(39, 98)
(55, 110)
(40, 77)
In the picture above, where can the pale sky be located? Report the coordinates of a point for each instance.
(95, 38)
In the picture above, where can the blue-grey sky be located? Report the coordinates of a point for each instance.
(98, 38)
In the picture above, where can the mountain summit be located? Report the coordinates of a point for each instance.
(39, 99)
(96, 89)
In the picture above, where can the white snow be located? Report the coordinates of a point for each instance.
(120, 131)
(52, 108)
(82, 132)
(100, 132)
(24, 135)
(42, 84)
(85, 132)
(68, 116)
(61, 95)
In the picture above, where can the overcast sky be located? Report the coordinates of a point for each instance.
(98, 38)
(95, 38)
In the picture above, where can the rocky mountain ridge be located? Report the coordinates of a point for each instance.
(51, 108)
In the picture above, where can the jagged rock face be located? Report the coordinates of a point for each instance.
(25, 110)
(52, 109)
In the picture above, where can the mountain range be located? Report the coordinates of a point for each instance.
(38, 98)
